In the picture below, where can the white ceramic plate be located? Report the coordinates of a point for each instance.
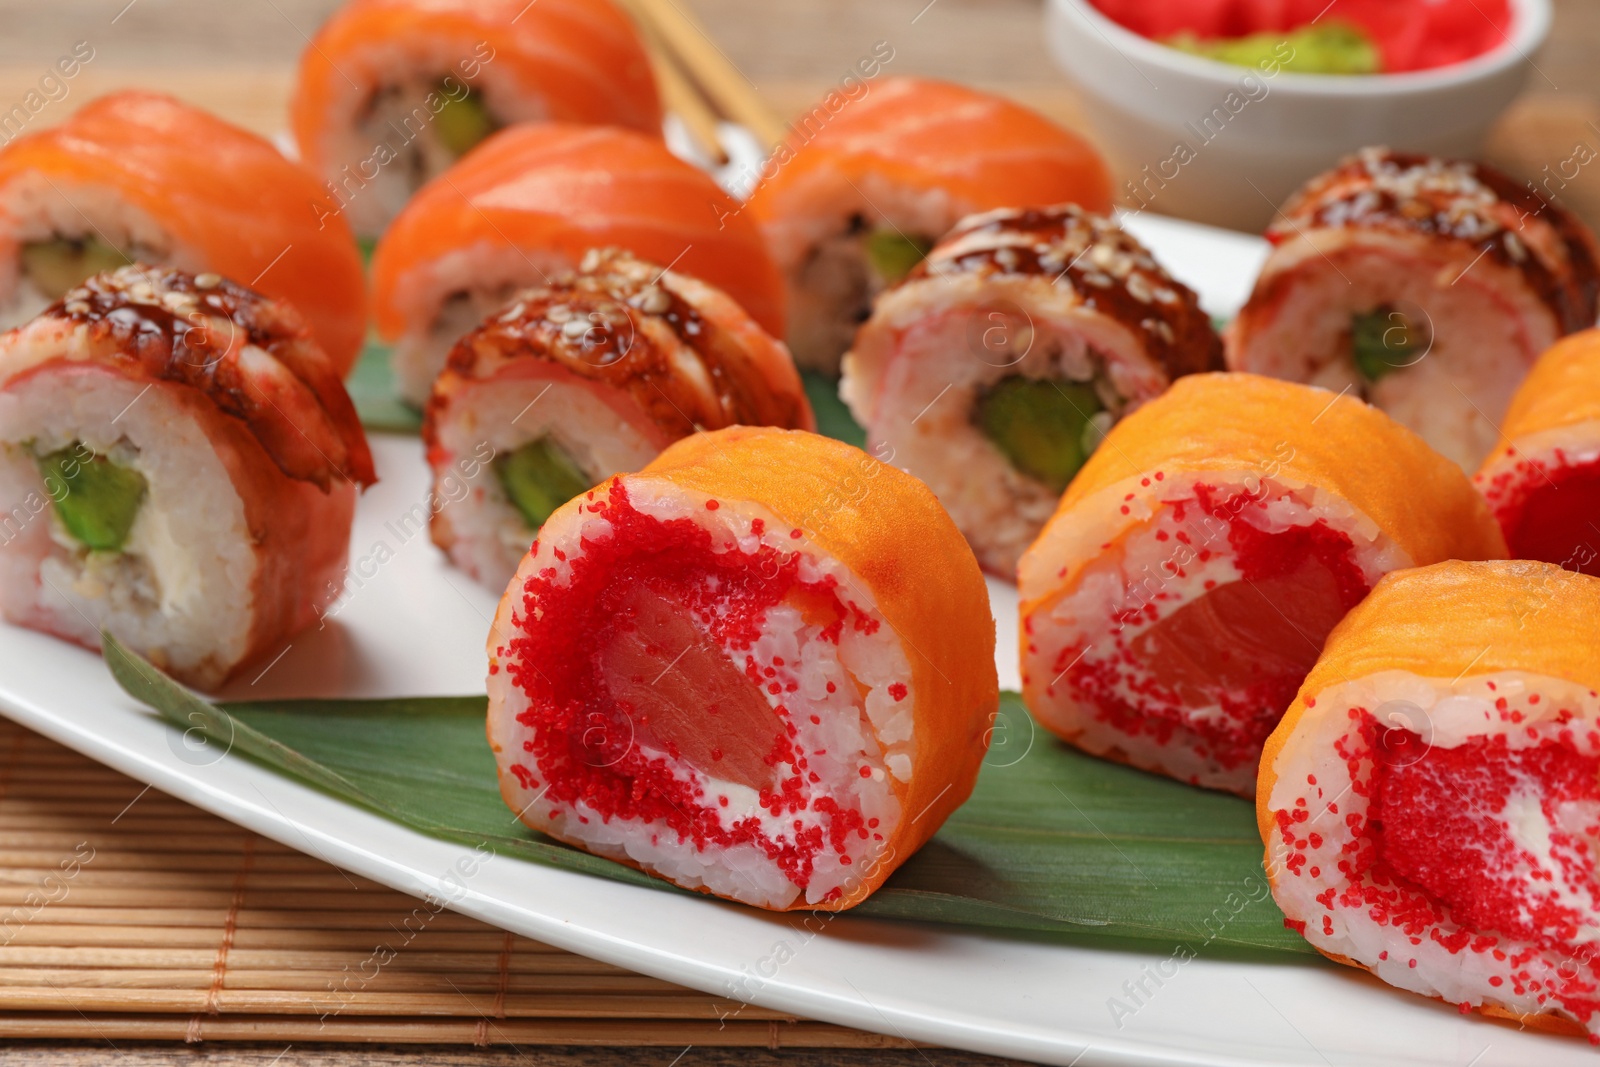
(412, 626)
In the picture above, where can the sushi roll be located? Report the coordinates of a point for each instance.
(1429, 800)
(1174, 603)
(762, 667)
(1426, 286)
(525, 207)
(996, 366)
(587, 377)
(1543, 480)
(856, 197)
(179, 466)
(391, 93)
(141, 176)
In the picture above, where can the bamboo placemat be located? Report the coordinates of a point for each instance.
(127, 914)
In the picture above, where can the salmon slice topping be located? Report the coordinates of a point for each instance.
(1245, 634)
(686, 696)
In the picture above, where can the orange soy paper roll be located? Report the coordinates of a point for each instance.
(1431, 800)
(1543, 481)
(1185, 585)
(762, 667)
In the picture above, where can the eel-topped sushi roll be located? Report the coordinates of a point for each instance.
(1430, 801)
(526, 207)
(142, 176)
(587, 377)
(762, 667)
(179, 465)
(1175, 601)
(390, 93)
(1428, 287)
(1543, 480)
(996, 367)
(857, 196)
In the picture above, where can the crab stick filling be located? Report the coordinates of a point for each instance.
(1445, 834)
(704, 695)
(1194, 629)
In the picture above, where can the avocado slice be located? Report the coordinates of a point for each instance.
(1330, 48)
(1040, 425)
(62, 263)
(893, 254)
(101, 498)
(462, 122)
(539, 477)
(1382, 342)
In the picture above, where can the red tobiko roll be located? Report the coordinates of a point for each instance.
(762, 667)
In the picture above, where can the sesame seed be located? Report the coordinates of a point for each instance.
(207, 280)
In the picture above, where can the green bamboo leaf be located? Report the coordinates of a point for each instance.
(1052, 842)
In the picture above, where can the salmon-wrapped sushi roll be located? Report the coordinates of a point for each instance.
(392, 92)
(1426, 286)
(178, 467)
(526, 207)
(587, 377)
(994, 369)
(1543, 480)
(1430, 801)
(141, 176)
(856, 197)
(1174, 603)
(762, 667)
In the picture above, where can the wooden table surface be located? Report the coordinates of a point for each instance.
(237, 58)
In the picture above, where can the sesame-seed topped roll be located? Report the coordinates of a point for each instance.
(994, 369)
(583, 378)
(178, 466)
(1428, 286)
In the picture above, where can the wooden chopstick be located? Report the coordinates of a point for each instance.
(683, 98)
(728, 91)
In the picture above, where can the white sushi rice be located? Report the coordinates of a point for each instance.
(447, 297)
(1444, 713)
(859, 724)
(484, 534)
(1486, 328)
(176, 590)
(39, 207)
(917, 397)
(1151, 566)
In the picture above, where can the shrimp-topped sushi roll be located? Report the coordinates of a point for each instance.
(993, 370)
(391, 93)
(179, 466)
(527, 206)
(587, 377)
(861, 192)
(762, 667)
(1429, 801)
(1426, 286)
(141, 176)
(1543, 480)
(1174, 603)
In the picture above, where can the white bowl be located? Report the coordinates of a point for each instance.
(1223, 144)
